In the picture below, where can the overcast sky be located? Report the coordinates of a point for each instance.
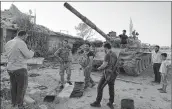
(151, 19)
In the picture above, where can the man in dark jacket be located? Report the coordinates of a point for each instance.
(108, 77)
(124, 39)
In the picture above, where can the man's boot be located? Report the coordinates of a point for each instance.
(95, 104)
(110, 105)
(69, 82)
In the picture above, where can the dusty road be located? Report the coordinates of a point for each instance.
(145, 95)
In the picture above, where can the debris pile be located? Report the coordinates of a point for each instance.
(8, 18)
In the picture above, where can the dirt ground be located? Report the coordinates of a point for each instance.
(44, 78)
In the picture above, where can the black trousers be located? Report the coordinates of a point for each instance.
(102, 84)
(19, 82)
(156, 67)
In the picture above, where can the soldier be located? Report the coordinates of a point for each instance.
(64, 56)
(86, 61)
(124, 39)
(108, 77)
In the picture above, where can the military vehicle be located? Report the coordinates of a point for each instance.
(133, 60)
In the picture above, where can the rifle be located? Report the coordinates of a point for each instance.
(113, 72)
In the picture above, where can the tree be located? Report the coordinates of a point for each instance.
(84, 31)
(24, 22)
(97, 43)
(36, 40)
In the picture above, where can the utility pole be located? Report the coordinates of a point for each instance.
(35, 17)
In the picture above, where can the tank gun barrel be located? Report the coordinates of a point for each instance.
(86, 20)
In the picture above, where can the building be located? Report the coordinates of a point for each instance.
(9, 30)
(54, 40)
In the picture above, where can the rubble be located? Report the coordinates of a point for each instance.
(43, 106)
(34, 75)
(9, 16)
(6, 93)
(29, 100)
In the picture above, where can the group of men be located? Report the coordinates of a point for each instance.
(17, 53)
(86, 60)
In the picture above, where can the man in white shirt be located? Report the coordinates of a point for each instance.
(17, 53)
(156, 60)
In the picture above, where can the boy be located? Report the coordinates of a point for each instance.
(164, 70)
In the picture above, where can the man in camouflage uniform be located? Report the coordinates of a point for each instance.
(109, 75)
(86, 62)
(64, 56)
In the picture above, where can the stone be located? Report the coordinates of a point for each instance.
(3, 68)
(34, 75)
(141, 97)
(6, 94)
(33, 91)
(29, 100)
(139, 89)
(124, 90)
(153, 99)
(131, 88)
(5, 79)
(43, 106)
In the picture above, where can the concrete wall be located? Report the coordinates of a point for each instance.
(54, 42)
(6, 35)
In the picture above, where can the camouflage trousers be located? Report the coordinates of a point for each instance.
(87, 73)
(65, 67)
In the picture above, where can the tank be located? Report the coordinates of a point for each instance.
(133, 60)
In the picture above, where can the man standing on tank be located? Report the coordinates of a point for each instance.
(64, 56)
(124, 39)
(156, 60)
